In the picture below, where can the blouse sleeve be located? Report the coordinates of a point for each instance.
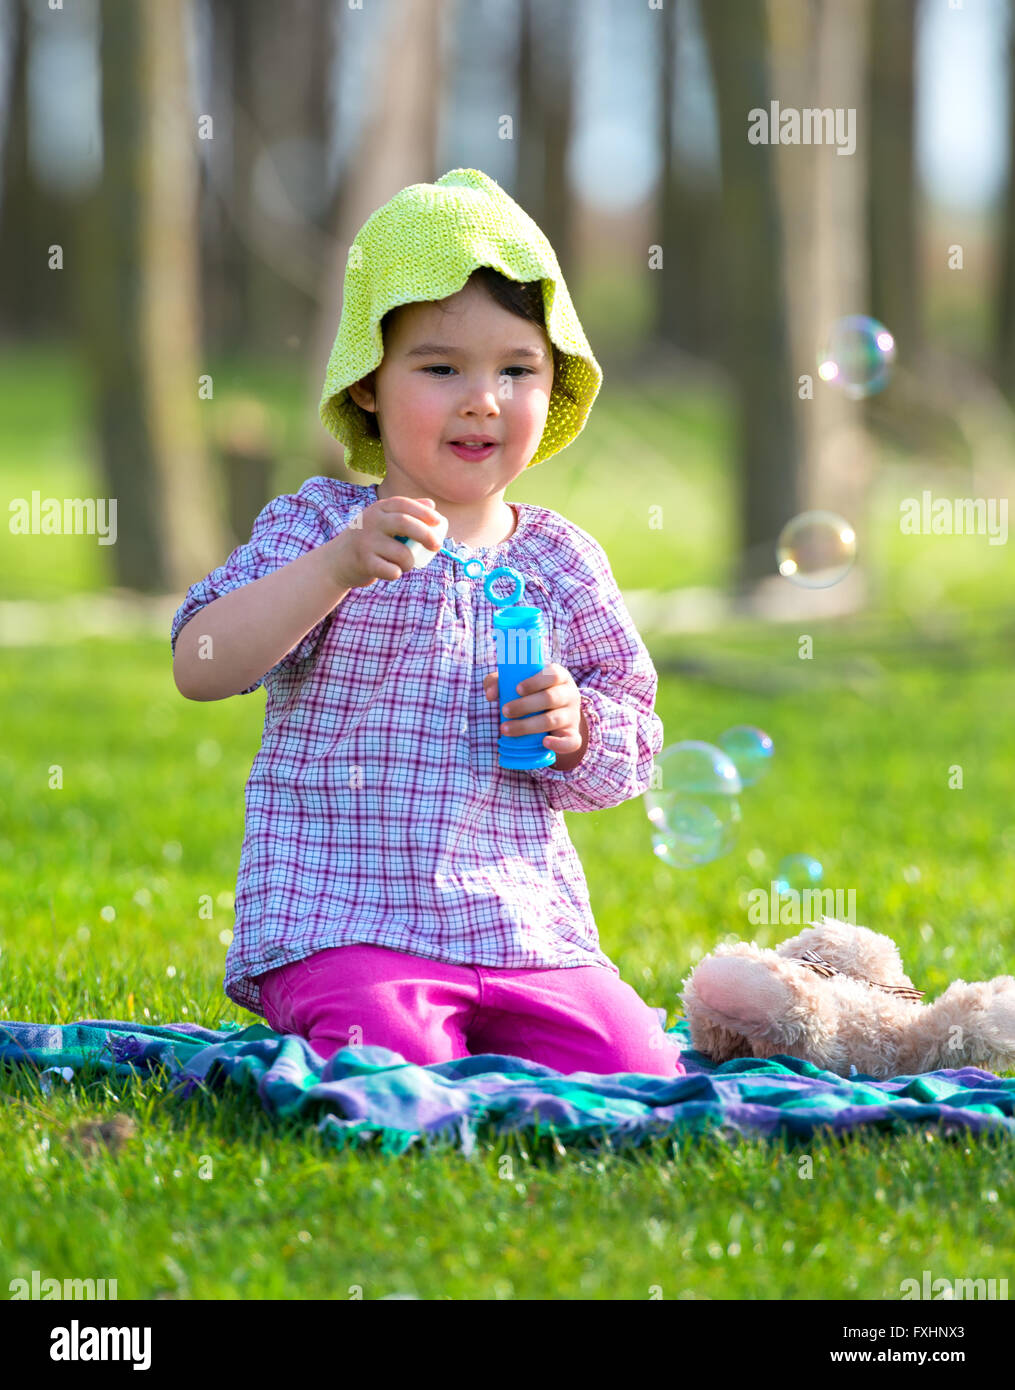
(285, 529)
(610, 665)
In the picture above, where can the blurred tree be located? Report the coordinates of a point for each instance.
(396, 145)
(18, 248)
(896, 290)
(33, 298)
(545, 86)
(267, 167)
(919, 411)
(136, 300)
(1005, 319)
(755, 337)
(817, 50)
(687, 308)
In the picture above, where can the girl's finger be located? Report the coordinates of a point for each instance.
(531, 724)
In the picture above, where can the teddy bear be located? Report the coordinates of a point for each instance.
(836, 996)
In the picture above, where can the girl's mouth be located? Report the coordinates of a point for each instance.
(472, 451)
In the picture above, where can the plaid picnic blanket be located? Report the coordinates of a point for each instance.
(369, 1092)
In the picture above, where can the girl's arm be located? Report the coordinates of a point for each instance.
(239, 637)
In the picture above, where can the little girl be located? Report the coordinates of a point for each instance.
(396, 886)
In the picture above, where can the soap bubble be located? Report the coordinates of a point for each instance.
(797, 872)
(693, 810)
(696, 768)
(816, 549)
(692, 832)
(750, 750)
(858, 356)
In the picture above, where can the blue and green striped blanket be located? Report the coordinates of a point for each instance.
(364, 1093)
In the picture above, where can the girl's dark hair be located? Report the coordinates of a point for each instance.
(525, 300)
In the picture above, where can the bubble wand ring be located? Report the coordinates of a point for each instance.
(475, 569)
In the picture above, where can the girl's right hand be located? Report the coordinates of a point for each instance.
(368, 552)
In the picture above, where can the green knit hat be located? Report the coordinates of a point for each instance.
(423, 245)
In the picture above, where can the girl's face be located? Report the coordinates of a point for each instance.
(462, 367)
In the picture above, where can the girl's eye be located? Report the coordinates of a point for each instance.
(445, 367)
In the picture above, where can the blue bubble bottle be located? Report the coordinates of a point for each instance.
(518, 637)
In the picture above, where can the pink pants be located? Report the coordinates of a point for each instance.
(582, 1018)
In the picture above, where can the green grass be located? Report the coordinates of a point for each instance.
(102, 885)
(116, 901)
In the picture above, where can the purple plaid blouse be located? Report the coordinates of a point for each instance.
(375, 809)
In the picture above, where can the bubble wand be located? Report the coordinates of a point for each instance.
(518, 634)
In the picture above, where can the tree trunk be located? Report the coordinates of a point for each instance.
(170, 242)
(545, 86)
(268, 180)
(226, 256)
(135, 284)
(895, 278)
(23, 260)
(33, 298)
(396, 147)
(687, 307)
(818, 49)
(756, 347)
(1005, 330)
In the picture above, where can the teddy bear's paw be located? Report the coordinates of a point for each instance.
(742, 990)
(726, 1001)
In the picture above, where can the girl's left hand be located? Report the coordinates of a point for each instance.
(552, 691)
